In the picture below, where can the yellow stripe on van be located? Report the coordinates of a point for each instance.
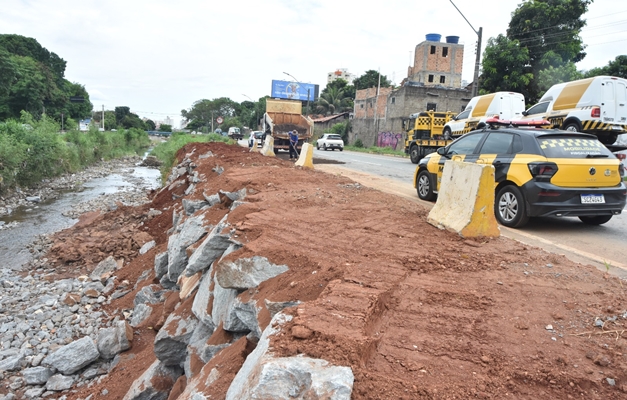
(482, 105)
(571, 94)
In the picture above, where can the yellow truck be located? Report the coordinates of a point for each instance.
(424, 133)
(283, 116)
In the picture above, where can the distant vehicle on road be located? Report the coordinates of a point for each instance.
(330, 141)
(235, 133)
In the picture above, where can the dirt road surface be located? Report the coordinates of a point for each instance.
(416, 312)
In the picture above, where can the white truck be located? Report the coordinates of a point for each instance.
(595, 105)
(502, 105)
(235, 133)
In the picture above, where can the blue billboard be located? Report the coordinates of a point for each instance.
(294, 90)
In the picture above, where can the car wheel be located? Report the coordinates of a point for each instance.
(573, 126)
(424, 186)
(509, 207)
(317, 146)
(414, 154)
(341, 149)
(596, 220)
(447, 133)
(324, 146)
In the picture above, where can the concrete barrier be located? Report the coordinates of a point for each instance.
(305, 158)
(268, 147)
(466, 200)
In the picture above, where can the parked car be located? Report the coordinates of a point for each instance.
(330, 141)
(260, 137)
(538, 173)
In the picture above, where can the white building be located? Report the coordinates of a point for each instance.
(341, 73)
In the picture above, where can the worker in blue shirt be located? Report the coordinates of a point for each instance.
(293, 144)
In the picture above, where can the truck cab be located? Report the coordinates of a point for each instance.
(235, 133)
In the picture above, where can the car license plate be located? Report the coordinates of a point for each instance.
(592, 199)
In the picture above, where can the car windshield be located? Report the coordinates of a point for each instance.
(334, 137)
(572, 147)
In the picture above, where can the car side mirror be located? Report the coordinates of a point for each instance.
(442, 151)
(525, 113)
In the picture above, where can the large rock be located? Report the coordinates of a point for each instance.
(264, 377)
(223, 300)
(172, 340)
(191, 206)
(112, 341)
(12, 363)
(212, 248)
(74, 356)
(36, 375)
(202, 300)
(191, 231)
(150, 294)
(242, 317)
(155, 383)
(161, 264)
(104, 268)
(246, 273)
(141, 312)
(59, 382)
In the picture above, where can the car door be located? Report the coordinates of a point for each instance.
(458, 124)
(537, 112)
(460, 150)
(498, 150)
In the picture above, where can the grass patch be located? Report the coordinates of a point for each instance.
(166, 151)
(32, 150)
(378, 150)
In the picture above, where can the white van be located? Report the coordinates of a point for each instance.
(502, 105)
(594, 105)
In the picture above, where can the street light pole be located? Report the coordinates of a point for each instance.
(255, 107)
(475, 84)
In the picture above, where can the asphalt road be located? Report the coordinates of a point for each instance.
(597, 245)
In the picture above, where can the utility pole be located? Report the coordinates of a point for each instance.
(102, 118)
(255, 107)
(475, 83)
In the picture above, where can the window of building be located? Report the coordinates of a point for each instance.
(393, 100)
(444, 51)
(430, 78)
(431, 106)
(442, 79)
(361, 106)
(432, 49)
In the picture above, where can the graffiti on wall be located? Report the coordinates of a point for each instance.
(390, 139)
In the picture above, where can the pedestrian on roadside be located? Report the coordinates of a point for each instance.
(293, 144)
(251, 140)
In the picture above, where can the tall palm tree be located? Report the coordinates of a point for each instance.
(333, 100)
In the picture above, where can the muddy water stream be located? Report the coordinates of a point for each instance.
(47, 216)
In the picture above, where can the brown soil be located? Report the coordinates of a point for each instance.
(416, 312)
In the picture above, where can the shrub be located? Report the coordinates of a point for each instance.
(358, 143)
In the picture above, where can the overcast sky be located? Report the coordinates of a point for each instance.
(160, 56)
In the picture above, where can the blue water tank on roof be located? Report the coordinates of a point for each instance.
(433, 37)
(452, 39)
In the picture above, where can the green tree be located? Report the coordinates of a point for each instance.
(333, 101)
(371, 79)
(121, 112)
(203, 112)
(150, 125)
(504, 66)
(29, 47)
(165, 128)
(617, 67)
(552, 75)
(550, 30)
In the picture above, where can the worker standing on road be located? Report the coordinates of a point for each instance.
(251, 140)
(293, 143)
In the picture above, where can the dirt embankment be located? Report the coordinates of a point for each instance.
(414, 311)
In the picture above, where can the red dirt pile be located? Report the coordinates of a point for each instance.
(414, 311)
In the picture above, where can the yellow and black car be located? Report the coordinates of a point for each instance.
(538, 172)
